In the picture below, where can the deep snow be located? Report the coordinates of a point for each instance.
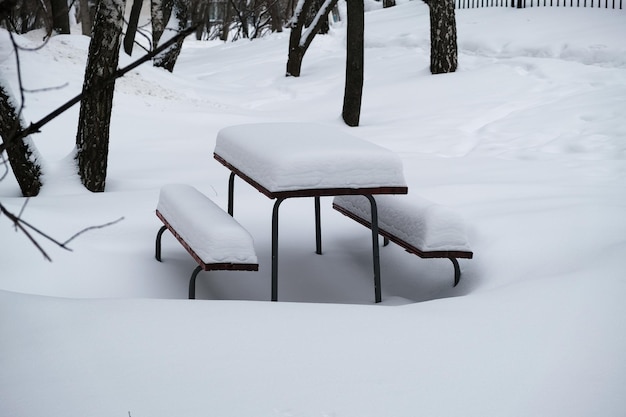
(525, 141)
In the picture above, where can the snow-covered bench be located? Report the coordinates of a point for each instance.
(212, 237)
(421, 227)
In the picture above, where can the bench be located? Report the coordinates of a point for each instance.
(421, 227)
(213, 238)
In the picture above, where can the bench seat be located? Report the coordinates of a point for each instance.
(213, 238)
(421, 227)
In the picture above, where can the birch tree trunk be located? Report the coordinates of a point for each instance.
(22, 154)
(87, 10)
(354, 63)
(92, 139)
(177, 23)
(443, 47)
(159, 15)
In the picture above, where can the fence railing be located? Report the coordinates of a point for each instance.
(520, 4)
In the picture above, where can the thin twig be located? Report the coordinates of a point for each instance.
(45, 89)
(63, 245)
(5, 167)
(23, 208)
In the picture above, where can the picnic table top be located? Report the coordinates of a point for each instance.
(308, 159)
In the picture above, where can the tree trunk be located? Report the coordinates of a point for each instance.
(296, 52)
(21, 152)
(443, 47)
(177, 22)
(294, 61)
(92, 139)
(131, 28)
(87, 10)
(311, 15)
(159, 13)
(226, 21)
(274, 10)
(298, 43)
(354, 63)
(200, 17)
(27, 15)
(60, 16)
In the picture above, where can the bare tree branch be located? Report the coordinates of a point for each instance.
(17, 222)
(35, 127)
(87, 229)
(31, 231)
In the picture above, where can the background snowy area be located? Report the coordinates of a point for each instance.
(526, 141)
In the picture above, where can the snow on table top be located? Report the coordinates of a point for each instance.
(211, 232)
(300, 156)
(423, 224)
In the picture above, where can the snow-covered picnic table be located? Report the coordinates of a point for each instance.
(285, 160)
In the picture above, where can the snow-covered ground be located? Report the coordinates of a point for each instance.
(526, 141)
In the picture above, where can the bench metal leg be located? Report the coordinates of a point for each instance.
(457, 271)
(231, 192)
(157, 250)
(375, 249)
(275, 248)
(318, 227)
(192, 282)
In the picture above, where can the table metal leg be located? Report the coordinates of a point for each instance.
(375, 249)
(157, 249)
(457, 271)
(275, 249)
(231, 192)
(318, 227)
(192, 282)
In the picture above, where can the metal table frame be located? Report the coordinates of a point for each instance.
(281, 196)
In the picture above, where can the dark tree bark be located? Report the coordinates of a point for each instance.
(290, 7)
(92, 139)
(312, 14)
(199, 12)
(274, 10)
(131, 28)
(60, 16)
(388, 3)
(159, 15)
(27, 15)
(177, 23)
(228, 17)
(21, 152)
(298, 43)
(443, 47)
(87, 9)
(354, 63)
